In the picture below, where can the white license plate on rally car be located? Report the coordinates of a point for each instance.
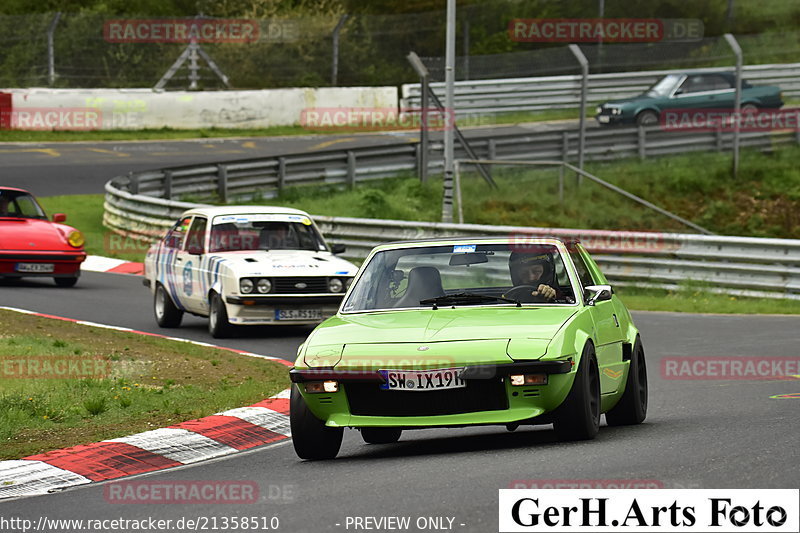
(298, 314)
(603, 118)
(35, 267)
(423, 380)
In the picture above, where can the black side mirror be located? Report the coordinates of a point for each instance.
(338, 248)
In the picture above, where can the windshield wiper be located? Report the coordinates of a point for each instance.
(466, 298)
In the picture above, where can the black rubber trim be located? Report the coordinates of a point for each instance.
(146, 282)
(300, 375)
(627, 351)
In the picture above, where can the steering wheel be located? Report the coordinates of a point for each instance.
(523, 294)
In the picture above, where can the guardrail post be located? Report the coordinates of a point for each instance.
(351, 169)
(584, 63)
(133, 183)
(797, 135)
(642, 145)
(491, 146)
(222, 183)
(565, 159)
(281, 174)
(168, 184)
(737, 106)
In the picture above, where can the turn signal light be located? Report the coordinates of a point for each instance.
(519, 380)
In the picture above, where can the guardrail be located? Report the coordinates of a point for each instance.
(560, 92)
(735, 265)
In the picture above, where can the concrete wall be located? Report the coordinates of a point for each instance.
(81, 109)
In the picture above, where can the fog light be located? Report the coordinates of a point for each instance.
(317, 387)
(528, 379)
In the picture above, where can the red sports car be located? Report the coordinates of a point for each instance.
(31, 245)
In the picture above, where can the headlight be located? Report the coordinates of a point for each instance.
(615, 110)
(335, 285)
(598, 110)
(245, 286)
(348, 282)
(264, 285)
(76, 239)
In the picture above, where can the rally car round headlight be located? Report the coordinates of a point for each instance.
(264, 285)
(335, 285)
(348, 282)
(246, 286)
(76, 239)
(598, 110)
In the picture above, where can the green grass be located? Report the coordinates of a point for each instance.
(695, 300)
(144, 383)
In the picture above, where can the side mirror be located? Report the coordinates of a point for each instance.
(59, 217)
(598, 293)
(195, 250)
(338, 248)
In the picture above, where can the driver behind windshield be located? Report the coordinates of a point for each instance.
(536, 272)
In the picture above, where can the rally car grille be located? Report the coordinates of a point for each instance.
(300, 285)
(369, 399)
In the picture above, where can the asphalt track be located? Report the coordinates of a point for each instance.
(52, 169)
(698, 434)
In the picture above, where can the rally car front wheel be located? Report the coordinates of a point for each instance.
(167, 313)
(218, 324)
(312, 439)
(632, 407)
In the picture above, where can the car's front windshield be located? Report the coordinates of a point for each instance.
(19, 204)
(264, 232)
(664, 86)
(462, 274)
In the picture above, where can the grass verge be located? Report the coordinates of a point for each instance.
(141, 383)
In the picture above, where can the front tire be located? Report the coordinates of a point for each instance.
(381, 435)
(66, 282)
(647, 118)
(311, 438)
(578, 418)
(167, 313)
(218, 324)
(632, 407)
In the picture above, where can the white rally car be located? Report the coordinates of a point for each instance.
(245, 265)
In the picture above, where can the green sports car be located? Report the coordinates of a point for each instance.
(463, 332)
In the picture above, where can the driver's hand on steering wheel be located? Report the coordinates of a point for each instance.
(545, 291)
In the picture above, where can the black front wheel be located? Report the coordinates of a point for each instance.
(632, 407)
(66, 282)
(647, 118)
(218, 324)
(381, 435)
(578, 418)
(167, 313)
(312, 439)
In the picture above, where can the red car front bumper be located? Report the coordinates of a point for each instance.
(42, 264)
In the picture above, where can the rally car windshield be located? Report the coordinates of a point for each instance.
(18, 204)
(264, 232)
(461, 275)
(664, 86)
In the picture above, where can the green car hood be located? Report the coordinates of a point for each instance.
(439, 338)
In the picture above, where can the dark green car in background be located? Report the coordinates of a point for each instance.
(698, 90)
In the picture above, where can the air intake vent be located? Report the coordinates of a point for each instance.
(530, 393)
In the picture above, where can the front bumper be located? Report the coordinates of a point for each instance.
(267, 310)
(489, 397)
(66, 264)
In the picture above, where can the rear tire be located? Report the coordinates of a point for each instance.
(632, 407)
(167, 313)
(749, 108)
(381, 435)
(66, 282)
(218, 324)
(578, 418)
(311, 438)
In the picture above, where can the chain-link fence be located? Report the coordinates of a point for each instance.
(75, 50)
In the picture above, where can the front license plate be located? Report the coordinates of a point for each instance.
(35, 267)
(423, 380)
(603, 118)
(298, 314)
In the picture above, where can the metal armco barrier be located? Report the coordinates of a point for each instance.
(559, 92)
(734, 265)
